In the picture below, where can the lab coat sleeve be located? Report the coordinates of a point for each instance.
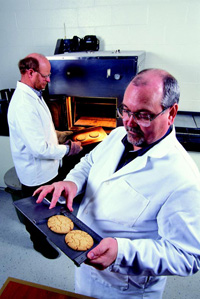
(40, 143)
(177, 251)
(79, 174)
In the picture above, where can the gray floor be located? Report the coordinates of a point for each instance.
(18, 259)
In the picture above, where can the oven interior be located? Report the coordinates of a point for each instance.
(91, 112)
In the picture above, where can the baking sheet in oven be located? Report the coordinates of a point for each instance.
(89, 135)
(38, 214)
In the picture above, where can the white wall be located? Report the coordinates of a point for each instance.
(168, 30)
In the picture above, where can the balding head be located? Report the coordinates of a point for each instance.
(169, 84)
(39, 57)
(36, 55)
(35, 71)
(32, 61)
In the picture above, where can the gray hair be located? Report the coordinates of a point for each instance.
(171, 90)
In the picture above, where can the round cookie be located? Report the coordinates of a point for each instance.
(60, 224)
(81, 137)
(94, 134)
(79, 240)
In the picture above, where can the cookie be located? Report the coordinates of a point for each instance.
(79, 240)
(60, 224)
(94, 134)
(81, 137)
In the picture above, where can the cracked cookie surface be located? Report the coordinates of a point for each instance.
(60, 224)
(79, 240)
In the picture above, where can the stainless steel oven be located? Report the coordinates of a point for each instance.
(87, 87)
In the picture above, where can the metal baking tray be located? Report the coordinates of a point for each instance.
(85, 134)
(38, 214)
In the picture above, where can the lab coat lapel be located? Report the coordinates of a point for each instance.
(140, 162)
(133, 166)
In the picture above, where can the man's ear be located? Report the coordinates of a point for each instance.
(30, 72)
(172, 113)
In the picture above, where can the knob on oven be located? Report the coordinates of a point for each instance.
(117, 76)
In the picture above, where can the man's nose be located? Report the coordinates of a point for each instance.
(131, 122)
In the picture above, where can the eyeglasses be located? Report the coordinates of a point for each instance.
(43, 76)
(143, 119)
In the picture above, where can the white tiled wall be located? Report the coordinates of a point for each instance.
(168, 30)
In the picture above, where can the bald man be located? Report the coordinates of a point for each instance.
(141, 194)
(34, 142)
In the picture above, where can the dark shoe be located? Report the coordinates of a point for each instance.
(46, 250)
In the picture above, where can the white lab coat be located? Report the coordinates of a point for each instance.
(34, 145)
(151, 206)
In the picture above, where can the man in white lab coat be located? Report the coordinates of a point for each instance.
(35, 146)
(142, 195)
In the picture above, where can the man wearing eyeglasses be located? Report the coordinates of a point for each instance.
(142, 195)
(35, 147)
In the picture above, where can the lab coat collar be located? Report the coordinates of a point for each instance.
(157, 152)
(38, 92)
(163, 147)
(27, 89)
(31, 92)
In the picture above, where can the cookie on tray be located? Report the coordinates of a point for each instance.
(79, 240)
(81, 137)
(94, 134)
(60, 224)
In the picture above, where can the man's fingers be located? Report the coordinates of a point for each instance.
(44, 190)
(104, 254)
(70, 201)
(37, 190)
(57, 193)
(67, 189)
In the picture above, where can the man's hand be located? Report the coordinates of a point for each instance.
(75, 147)
(65, 188)
(63, 136)
(104, 254)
